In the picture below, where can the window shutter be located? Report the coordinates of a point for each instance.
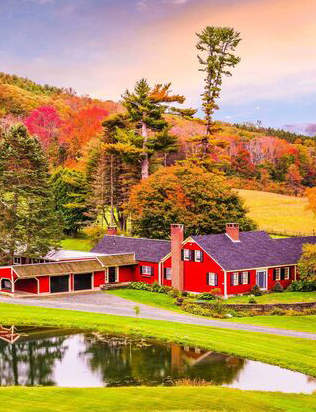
(151, 271)
(191, 255)
(141, 270)
(182, 254)
(282, 273)
(274, 274)
(240, 278)
(232, 280)
(207, 278)
(216, 279)
(248, 278)
(165, 273)
(202, 256)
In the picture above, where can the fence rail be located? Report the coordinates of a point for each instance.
(289, 233)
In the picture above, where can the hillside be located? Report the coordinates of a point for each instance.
(279, 213)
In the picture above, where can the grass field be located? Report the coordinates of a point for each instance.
(279, 213)
(299, 323)
(144, 399)
(284, 297)
(158, 300)
(76, 244)
(291, 353)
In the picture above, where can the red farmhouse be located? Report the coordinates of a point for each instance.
(233, 262)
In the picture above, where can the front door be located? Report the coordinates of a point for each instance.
(112, 274)
(262, 279)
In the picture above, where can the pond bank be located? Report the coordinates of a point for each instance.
(290, 353)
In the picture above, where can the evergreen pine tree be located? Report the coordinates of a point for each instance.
(217, 45)
(27, 213)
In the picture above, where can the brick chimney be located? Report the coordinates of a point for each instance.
(176, 259)
(232, 230)
(111, 231)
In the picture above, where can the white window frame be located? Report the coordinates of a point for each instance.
(211, 279)
(235, 279)
(245, 278)
(186, 254)
(17, 260)
(168, 275)
(196, 254)
(286, 273)
(146, 270)
(277, 274)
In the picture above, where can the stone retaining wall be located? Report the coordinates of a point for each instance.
(299, 306)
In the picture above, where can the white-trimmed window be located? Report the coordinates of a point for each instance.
(147, 270)
(212, 279)
(286, 273)
(168, 273)
(17, 260)
(198, 256)
(245, 278)
(277, 274)
(186, 254)
(234, 279)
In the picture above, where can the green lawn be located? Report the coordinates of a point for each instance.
(279, 213)
(71, 243)
(292, 353)
(299, 323)
(158, 300)
(144, 399)
(284, 297)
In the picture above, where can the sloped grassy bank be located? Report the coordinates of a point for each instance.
(144, 399)
(292, 353)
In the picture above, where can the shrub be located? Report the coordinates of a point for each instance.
(218, 307)
(139, 286)
(206, 296)
(174, 293)
(302, 286)
(278, 312)
(277, 287)
(216, 291)
(252, 300)
(256, 290)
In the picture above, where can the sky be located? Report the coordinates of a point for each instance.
(102, 47)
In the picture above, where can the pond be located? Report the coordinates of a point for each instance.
(68, 358)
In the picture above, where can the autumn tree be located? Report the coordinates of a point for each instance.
(45, 123)
(198, 199)
(27, 214)
(216, 46)
(307, 263)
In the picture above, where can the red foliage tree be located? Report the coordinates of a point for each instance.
(45, 123)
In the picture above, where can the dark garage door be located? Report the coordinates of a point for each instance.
(59, 284)
(83, 281)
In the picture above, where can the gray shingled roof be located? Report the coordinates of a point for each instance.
(256, 249)
(148, 250)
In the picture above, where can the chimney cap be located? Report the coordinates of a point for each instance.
(176, 225)
(232, 224)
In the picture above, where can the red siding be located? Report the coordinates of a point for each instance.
(284, 283)
(5, 272)
(234, 290)
(99, 279)
(195, 272)
(166, 264)
(43, 284)
(126, 273)
(146, 278)
(26, 285)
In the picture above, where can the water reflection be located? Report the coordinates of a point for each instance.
(47, 357)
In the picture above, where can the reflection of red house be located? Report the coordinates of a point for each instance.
(231, 262)
(8, 334)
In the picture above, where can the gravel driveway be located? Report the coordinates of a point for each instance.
(113, 305)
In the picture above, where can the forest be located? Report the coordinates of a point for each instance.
(98, 154)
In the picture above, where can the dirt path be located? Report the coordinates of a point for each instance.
(113, 305)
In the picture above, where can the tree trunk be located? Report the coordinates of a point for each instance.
(145, 161)
(14, 222)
